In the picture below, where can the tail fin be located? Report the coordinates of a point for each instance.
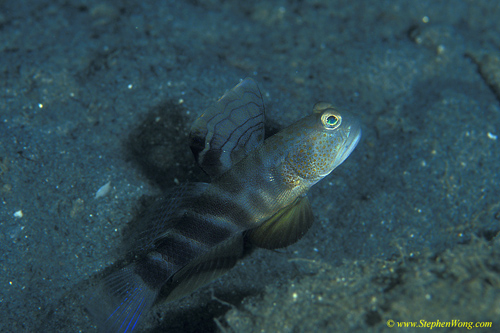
(122, 298)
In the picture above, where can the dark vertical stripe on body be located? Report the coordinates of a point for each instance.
(246, 192)
(221, 205)
(154, 269)
(177, 249)
(258, 202)
(203, 228)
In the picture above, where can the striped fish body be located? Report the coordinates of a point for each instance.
(257, 195)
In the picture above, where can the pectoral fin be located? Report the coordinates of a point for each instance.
(227, 131)
(285, 227)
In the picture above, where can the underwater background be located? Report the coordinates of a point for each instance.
(96, 102)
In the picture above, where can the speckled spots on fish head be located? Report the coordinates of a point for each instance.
(323, 141)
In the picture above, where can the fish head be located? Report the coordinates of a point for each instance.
(322, 141)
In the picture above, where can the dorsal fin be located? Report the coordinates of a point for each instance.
(285, 227)
(227, 131)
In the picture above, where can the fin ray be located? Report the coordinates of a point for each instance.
(121, 300)
(285, 227)
(230, 129)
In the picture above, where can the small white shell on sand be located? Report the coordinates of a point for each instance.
(103, 190)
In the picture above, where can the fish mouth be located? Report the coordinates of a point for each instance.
(352, 142)
(353, 134)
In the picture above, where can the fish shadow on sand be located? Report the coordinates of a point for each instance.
(159, 147)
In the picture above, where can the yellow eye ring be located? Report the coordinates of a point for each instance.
(331, 121)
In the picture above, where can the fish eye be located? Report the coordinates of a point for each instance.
(331, 121)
